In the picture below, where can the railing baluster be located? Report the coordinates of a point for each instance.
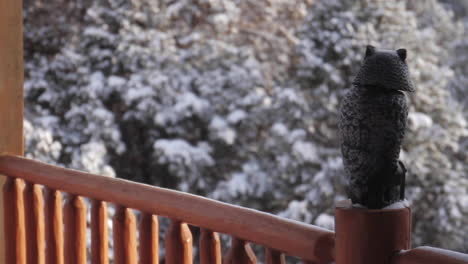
(70, 230)
(54, 227)
(130, 237)
(274, 257)
(81, 224)
(178, 244)
(125, 247)
(99, 239)
(75, 226)
(210, 247)
(14, 221)
(149, 239)
(118, 230)
(240, 253)
(34, 214)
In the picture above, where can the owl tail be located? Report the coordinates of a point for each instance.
(401, 171)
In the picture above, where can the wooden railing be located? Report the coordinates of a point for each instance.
(36, 232)
(40, 227)
(429, 255)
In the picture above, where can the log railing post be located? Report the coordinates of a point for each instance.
(210, 247)
(11, 89)
(240, 253)
(54, 227)
(35, 226)
(274, 257)
(15, 233)
(75, 230)
(149, 239)
(366, 236)
(99, 233)
(179, 243)
(125, 243)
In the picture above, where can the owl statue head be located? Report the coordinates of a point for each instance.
(384, 69)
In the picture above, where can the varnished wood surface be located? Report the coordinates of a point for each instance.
(240, 253)
(386, 232)
(34, 215)
(14, 228)
(54, 228)
(292, 237)
(130, 237)
(210, 247)
(118, 235)
(429, 255)
(274, 257)
(178, 244)
(11, 77)
(125, 244)
(80, 220)
(149, 239)
(75, 230)
(99, 233)
(11, 89)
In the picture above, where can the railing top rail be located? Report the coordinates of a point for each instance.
(430, 255)
(292, 237)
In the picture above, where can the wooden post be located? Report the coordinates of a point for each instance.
(149, 239)
(240, 253)
(11, 89)
(210, 247)
(366, 236)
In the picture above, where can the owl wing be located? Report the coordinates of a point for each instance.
(353, 136)
(372, 127)
(388, 118)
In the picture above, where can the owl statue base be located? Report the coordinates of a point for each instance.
(366, 236)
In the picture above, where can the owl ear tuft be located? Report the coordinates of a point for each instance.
(370, 50)
(402, 54)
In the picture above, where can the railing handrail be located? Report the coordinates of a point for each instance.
(291, 237)
(429, 255)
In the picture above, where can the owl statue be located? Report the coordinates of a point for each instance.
(372, 125)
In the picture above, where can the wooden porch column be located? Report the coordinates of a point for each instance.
(365, 236)
(11, 89)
